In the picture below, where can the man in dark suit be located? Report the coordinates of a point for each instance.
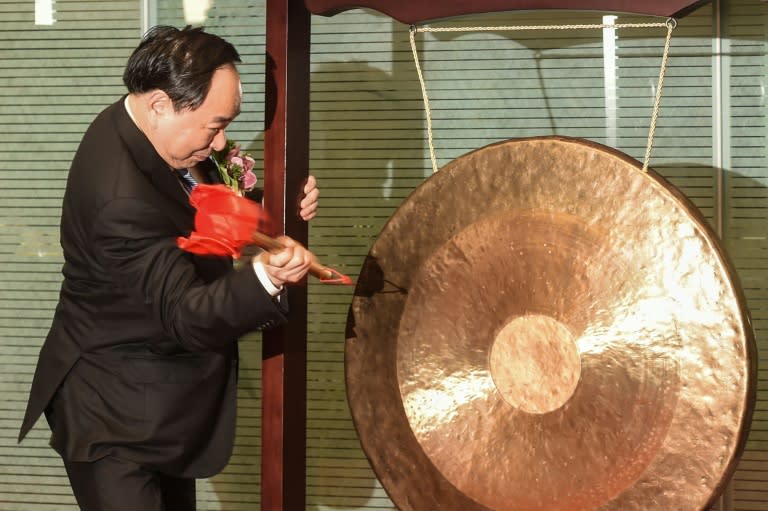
(137, 375)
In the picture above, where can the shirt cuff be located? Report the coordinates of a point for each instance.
(261, 274)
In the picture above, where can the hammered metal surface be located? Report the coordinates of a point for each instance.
(542, 326)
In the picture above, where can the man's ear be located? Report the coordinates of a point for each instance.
(159, 104)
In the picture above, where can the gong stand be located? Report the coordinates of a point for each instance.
(286, 162)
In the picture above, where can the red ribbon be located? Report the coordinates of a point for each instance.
(224, 222)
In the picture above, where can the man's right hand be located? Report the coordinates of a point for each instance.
(288, 265)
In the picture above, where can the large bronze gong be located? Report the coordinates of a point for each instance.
(543, 326)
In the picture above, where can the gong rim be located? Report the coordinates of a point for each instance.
(411, 452)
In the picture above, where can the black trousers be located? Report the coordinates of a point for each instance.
(111, 484)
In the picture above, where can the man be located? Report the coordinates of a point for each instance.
(137, 375)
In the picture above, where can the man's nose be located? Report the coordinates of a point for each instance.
(219, 141)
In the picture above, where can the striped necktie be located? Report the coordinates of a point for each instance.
(187, 180)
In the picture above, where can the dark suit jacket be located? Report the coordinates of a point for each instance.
(141, 358)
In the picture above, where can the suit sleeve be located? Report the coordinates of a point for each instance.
(136, 245)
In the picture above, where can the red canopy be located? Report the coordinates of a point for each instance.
(416, 11)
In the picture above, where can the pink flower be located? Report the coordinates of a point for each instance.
(248, 162)
(232, 152)
(249, 180)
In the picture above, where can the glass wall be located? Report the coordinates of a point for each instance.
(369, 148)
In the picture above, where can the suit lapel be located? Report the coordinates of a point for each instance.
(210, 171)
(167, 185)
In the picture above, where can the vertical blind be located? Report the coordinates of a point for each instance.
(745, 215)
(369, 150)
(53, 80)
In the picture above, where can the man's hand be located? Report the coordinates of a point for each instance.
(308, 204)
(288, 265)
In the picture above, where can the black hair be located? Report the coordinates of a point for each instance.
(179, 62)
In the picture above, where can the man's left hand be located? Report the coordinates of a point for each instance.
(308, 204)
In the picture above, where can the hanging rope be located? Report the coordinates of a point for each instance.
(427, 110)
(670, 24)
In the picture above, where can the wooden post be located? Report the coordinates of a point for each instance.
(286, 162)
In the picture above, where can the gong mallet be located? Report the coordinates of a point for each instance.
(325, 274)
(226, 223)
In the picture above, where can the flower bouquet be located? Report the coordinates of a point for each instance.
(235, 168)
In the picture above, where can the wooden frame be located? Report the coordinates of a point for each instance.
(416, 11)
(286, 161)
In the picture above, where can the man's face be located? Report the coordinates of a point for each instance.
(187, 137)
